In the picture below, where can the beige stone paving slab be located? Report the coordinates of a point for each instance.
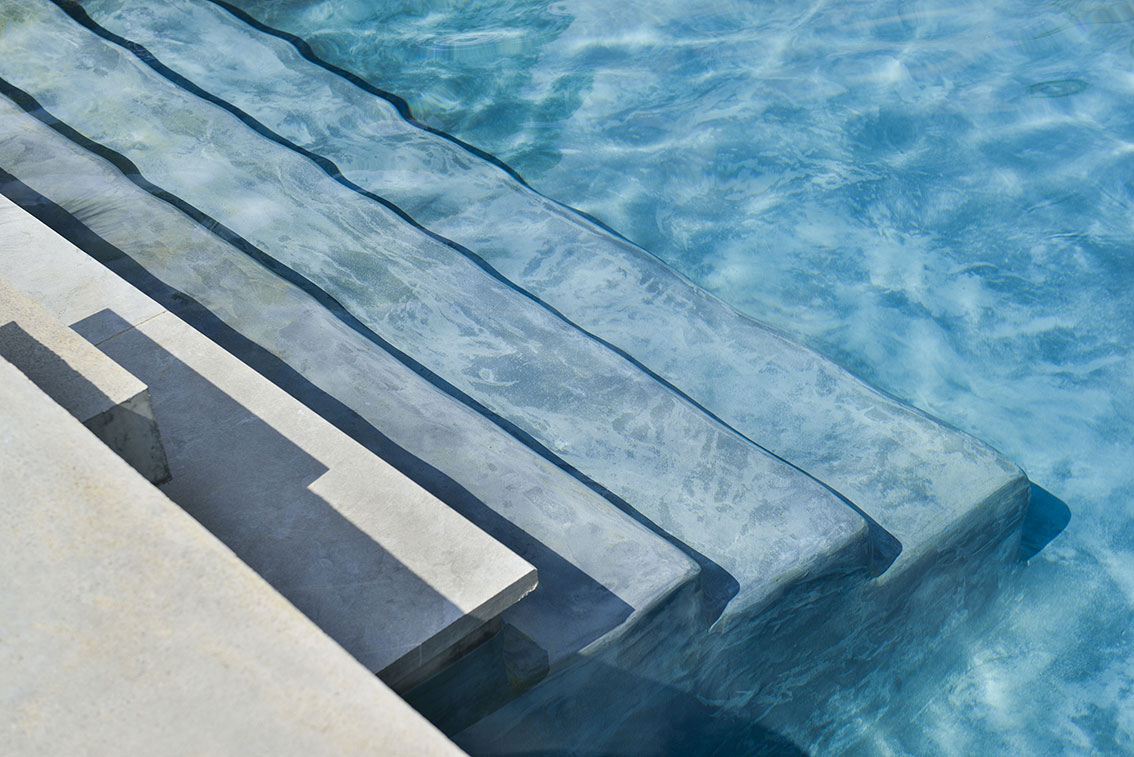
(102, 395)
(126, 628)
(107, 384)
(377, 561)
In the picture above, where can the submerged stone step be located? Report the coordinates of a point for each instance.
(382, 566)
(600, 572)
(745, 514)
(936, 489)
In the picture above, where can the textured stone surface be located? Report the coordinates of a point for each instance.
(760, 521)
(598, 569)
(106, 398)
(380, 564)
(126, 628)
(70, 294)
(931, 486)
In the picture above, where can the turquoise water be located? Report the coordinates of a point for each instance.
(938, 195)
(935, 202)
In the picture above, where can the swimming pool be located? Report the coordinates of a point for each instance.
(937, 204)
(936, 194)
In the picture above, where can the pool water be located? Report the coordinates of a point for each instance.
(939, 195)
(934, 195)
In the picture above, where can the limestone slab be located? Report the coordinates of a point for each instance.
(377, 561)
(70, 293)
(106, 398)
(126, 628)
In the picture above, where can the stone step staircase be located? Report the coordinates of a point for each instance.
(395, 576)
(440, 315)
(599, 570)
(665, 462)
(928, 485)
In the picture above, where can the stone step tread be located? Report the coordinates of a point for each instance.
(929, 485)
(598, 569)
(761, 521)
(382, 565)
(107, 384)
(129, 629)
(103, 396)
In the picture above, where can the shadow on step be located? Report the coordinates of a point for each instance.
(592, 606)
(1045, 519)
(248, 484)
(47, 370)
